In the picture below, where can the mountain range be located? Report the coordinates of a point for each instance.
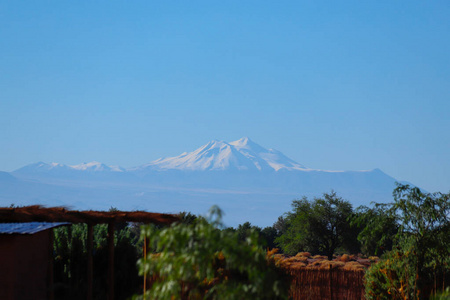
(248, 181)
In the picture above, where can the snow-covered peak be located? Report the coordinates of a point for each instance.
(42, 167)
(243, 154)
(93, 166)
(242, 142)
(248, 144)
(96, 166)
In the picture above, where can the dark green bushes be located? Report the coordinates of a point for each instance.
(319, 226)
(70, 261)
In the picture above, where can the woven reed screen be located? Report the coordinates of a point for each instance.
(333, 284)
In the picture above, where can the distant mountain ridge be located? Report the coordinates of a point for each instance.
(239, 155)
(93, 166)
(250, 182)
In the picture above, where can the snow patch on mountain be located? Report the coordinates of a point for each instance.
(95, 166)
(243, 154)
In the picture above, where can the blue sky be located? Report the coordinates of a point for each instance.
(346, 85)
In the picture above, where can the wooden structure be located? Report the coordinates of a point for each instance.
(331, 284)
(38, 213)
(26, 256)
(316, 277)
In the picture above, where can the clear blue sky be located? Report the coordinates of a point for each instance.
(339, 85)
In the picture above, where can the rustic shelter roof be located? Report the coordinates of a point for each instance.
(37, 213)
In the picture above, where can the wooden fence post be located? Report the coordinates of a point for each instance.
(331, 282)
(111, 260)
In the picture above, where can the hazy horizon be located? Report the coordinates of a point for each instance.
(333, 86)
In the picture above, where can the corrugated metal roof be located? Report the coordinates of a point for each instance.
(28, 228)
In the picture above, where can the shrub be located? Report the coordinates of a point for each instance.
(200, 261)
(391, 278)
(418, 266)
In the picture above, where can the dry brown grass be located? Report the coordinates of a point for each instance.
(304, 260)
(353, 266)
(321, 257)
(303, 254)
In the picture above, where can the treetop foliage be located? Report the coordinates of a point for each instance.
(317, 226)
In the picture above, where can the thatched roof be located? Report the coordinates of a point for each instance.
(37, 213)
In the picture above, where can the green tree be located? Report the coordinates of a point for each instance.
(378, 229)
(187, 217)
(245, 230)
(200, 261)
(70, 261)
(318, 226)
(266, 235)
(422, 243)
(280, 225)
(269, 234)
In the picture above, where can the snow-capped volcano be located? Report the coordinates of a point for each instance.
(250, 182)
(243, 154)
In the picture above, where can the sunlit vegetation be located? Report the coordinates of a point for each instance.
(200, 261)
(419, 264)
(324, 246)
(319, 226)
